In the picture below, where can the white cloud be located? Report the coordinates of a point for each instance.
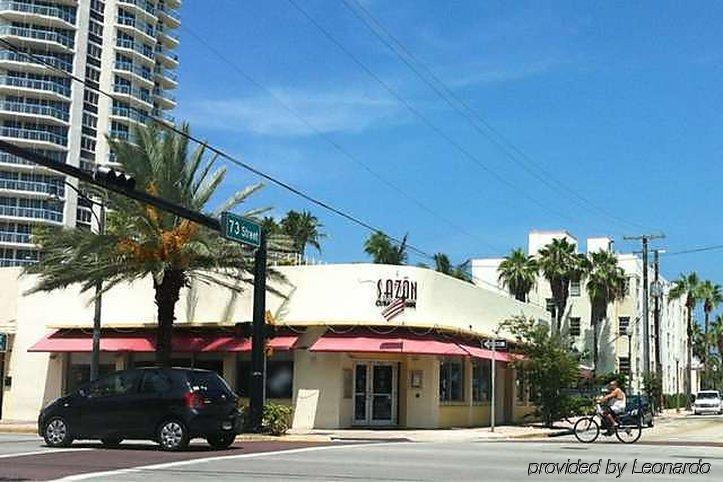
(484, 74)
(325, 111)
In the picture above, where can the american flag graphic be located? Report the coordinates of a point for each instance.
(394, 308)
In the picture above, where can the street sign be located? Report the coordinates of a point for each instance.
(496, 344)
(238, 228)
(3, 342)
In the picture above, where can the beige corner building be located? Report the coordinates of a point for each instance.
(347, 353)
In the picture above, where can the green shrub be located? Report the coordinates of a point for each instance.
(579, 405)
(276, 418)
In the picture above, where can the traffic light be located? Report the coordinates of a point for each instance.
(117, 178)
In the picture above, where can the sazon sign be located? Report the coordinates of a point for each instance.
(389, 289)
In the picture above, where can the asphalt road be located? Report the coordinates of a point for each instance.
(682, 441)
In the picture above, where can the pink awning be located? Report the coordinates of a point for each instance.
(386, 344)
(478, 352)
(145, 341)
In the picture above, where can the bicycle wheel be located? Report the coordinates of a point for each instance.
(629, 434)
(586, 430)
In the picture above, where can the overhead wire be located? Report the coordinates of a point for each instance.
(474, 118)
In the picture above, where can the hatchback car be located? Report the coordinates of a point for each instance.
(708, 401)
(168, 405)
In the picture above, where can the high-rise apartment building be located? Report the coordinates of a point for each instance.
(123, 47)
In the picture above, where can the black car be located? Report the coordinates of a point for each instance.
(639, 405)
(168, 405)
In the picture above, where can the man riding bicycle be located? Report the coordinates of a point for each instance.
(616, 405)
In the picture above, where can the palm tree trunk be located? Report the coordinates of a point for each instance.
(167, 294)
(706, 347)
(688, 381)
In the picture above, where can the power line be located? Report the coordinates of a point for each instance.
(374, 25)
(224, 155)
(333, 143)
(464, 151)
(694, 250)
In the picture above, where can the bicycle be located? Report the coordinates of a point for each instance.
(628, 430)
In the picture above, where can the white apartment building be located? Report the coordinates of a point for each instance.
(620, 349)
(123, 47)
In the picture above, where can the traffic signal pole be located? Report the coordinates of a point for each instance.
(258, 337)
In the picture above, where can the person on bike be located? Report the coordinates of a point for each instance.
(616, 404)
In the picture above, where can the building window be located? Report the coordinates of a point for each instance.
(575, 287)
(624, 365)
(574, 326)
(481, 372)
(451, 381)
(279, 378)
(623, 324)
(522, 389)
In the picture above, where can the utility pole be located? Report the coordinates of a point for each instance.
(657, 291)
(258, 339)
(645, 238)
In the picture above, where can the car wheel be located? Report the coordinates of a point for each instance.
(173, 435)
(57, 433)
(111, 441)
(221, 441)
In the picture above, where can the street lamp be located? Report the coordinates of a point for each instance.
(97, 300)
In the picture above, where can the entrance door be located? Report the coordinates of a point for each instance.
(375, 393)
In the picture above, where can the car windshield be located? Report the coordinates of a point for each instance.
(209, 383)
(702, 395)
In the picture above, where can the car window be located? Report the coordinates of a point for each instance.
(209, 383)
(115, 384)
(707, 395)
(156, 382)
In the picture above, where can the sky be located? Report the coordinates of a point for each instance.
(604, 119)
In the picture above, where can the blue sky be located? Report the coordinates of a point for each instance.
(621, 103)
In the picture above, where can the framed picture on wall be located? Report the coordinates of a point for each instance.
(415, 378)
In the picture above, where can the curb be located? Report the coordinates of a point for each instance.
(21, 429)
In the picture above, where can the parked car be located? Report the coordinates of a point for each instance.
(168, 405)
(639, 405)
(708, 401)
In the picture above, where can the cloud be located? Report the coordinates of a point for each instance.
(486, 74)
(324, 111)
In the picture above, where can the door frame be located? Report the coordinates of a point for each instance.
(369, 394)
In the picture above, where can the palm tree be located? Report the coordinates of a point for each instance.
(518, 272)
(605, 284)
(442, 264)
(304, 229)
(687, 286)
(270, 226)
(141, 241)
(384, 251)
(712, 295)
(716, 334)
(559, 264)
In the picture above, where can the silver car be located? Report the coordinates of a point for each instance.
(708, 401)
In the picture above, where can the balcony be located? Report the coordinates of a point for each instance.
(170, 15)
(32, 111)
(121, 135)
(31, 213)
(18, 163)
(134, 94)
(143, 7)
(34, 135)
(12, 263)
(139, 72)
(31, 64)
(164, 99)
(31, 187)
(168, 38)
(48, 15)
(130, 114)
(135, 26)
(14, 238)
(167, 78)
(57, 89)
(141, 51)
(39, 38)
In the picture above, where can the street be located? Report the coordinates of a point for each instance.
(679, 441)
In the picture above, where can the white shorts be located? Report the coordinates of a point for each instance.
(618, 406)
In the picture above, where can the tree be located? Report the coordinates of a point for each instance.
(142, 241)
(383, 251)
(270, 226)
(605, 284)
(687, 286)
(547, 363)
(442, 264)
(711, 294)
(304, 229)
(716, 334)
(559, 264)
(518, 272)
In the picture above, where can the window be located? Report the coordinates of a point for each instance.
(575, 287)
(574, 326)
(522, 388)
(279, 378)
(624, 365)
(451, 381)
(155, 382)
(116, 384)
(623, 324)
(481, 373)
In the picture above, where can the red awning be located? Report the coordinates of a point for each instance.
(145, 341)
(386, 344)
(477, 352)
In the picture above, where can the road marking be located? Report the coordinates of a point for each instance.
(180, 463)
(40, 452)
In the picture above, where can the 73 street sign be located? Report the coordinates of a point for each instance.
(238, 228)
(497, 344)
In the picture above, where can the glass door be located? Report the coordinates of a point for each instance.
(375, 393)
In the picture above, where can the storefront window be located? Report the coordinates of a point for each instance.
(279, 378)
(451, 381)
(481, 371)
(79, 375)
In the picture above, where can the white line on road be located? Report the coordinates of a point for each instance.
(180, 463)
(40, 452)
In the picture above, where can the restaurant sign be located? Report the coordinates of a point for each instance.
(391, 290)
